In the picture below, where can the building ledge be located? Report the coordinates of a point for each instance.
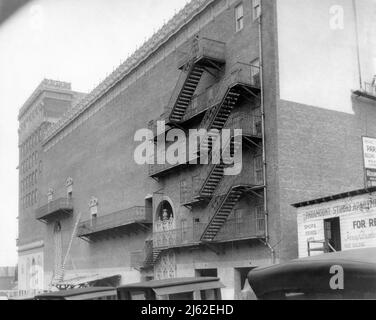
(335, 197)
(368, 91)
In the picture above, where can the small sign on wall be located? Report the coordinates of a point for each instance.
(369, 155)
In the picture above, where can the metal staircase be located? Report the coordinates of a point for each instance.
(205, 55)
(240, 82)
(222, 206)
(184, 91)
(225, 197)
(151, 253)
(215, 172)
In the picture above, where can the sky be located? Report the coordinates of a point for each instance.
(68, 40)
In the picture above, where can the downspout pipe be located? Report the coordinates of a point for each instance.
(266, 213)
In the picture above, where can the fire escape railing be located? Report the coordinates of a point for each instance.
(134, 215)
(250, 126)
(202, 48)
(370, 88)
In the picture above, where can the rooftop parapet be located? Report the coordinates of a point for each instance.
(46, 84)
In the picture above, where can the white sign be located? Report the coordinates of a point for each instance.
(357, 217)
(369, 150)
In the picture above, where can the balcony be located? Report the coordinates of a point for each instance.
(126, 221)
(250, 125)
(368, 91)
(251, 130)
(206, 52)
(176, 238)
(242, 229)
(156, 170)
(241, 75)
(246, 228)
(59, 208)
(200, 103)
(244, 74)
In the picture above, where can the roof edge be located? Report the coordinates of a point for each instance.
(334, 197)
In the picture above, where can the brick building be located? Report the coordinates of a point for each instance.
(44, 107)
(108, 219)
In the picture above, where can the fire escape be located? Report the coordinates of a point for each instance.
(220, 192)
(206, 55)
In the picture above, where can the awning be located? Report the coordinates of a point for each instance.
(188, 288)
(76, 280)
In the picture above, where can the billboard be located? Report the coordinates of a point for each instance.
(326, 48)
(357, 222)
(369, 156)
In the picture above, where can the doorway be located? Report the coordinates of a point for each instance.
(332, 230)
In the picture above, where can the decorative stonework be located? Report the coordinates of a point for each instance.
(50, 194)
(140, 55)
(69, 186)
(69, 182)
(166, 266)
(93, 202)
(93, 205)
(44, 85)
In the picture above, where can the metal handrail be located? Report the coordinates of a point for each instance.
(53, 206)
(204, 47)
(113, 220)
(233, 229)
(370, 88)
(244, 121)
(240, 73)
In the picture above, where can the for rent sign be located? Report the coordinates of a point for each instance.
(369, 154)
(357, 223)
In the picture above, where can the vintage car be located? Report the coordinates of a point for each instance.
(90, 293)
(205, 288)
(332, 276)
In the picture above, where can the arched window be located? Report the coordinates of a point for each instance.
(165, 211)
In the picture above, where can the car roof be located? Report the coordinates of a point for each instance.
(74, 292)
(169, 282)
(312, 274)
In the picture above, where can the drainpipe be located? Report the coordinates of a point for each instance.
(357, 44)
(266, 213)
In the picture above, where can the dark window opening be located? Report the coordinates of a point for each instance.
(332, 229)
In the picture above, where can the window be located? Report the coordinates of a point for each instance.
(255, 72)
(256, 9)
(183, 191)
(259, 176)
(239, 17)
(260, 218)
(184, 230)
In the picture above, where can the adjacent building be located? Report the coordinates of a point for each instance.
(45, 106)
(296, 77)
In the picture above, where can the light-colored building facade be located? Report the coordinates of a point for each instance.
(108, 218)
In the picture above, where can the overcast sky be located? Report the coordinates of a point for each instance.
(68, 40)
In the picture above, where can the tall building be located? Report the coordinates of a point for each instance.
(45, 106)
(294, 75)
